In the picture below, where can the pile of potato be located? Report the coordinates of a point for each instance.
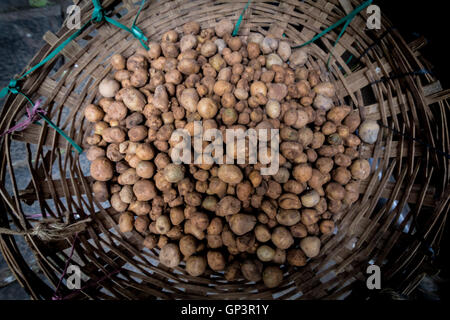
(224, 217)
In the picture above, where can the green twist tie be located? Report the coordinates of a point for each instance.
(238, 23)
(98, 15)
(346, 20)
(12, 87)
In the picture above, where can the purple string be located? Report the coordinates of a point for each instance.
(33, 115)
(56, 296)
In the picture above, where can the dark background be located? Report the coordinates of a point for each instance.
(20, 39)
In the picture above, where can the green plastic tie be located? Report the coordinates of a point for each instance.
(238, 23)
(346, 20)
(98, 15)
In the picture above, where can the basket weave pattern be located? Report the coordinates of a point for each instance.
(405, 171)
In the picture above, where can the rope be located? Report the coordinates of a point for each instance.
(98, 15)
(238, 23)
(345, 20)
(50, 229)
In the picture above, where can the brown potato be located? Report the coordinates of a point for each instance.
(228, 206)
(282, 238)
(196, 265)
(144, 190)
(126, 222)
(101, 169)
(240, 223)
(170, 255)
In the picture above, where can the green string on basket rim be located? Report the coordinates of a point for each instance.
(345, 20)
(238, 23)
(98, 15)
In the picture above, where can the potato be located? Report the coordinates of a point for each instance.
(352, 121)
(207, 108)
(188, 245)
(93, 113)
(101, 169)
(188, 66)
(296, 258)
(161, 98)
(133, 99)
(117, 61)
(144, 190)
(273, 60)
(196, 266)
(118, 204)
(191, 27)
(126, 194)
(141, 224)
(108, 87)
(325, 89)
(262, 233)
(126, 222)
(216, 260)
(188, 42)
(273, 109)
(288, 217)
(327, 227)
(277, 91)
(289, 201)
(298, 58)
(170, 255)
(251, 270)
(282, 238)
(150, 241)
(284, 50)
(94, 153)
(265, 253)
(368, 131)
(272, 276)
(140, 208)
(323, 103)
(360, 169)
(100, 190)
(341, 175)
(224, 27)
(310, 246)
(128, 177)
(189, 99)
(163, 225)
(309, 217)
(335, 191)
(310, 199)
(240, 223)
(230, 173)
(302, 173)
(229, 205)
(299, 231)
(174, 173)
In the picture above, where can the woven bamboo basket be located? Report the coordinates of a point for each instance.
(397, 223)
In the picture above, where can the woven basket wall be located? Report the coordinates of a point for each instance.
(402, 208)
